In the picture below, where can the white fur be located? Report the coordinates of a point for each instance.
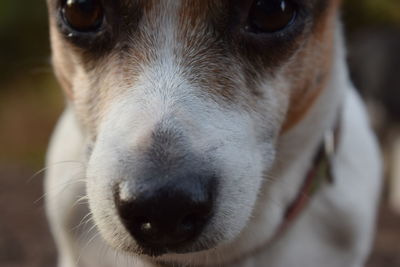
(335, 230)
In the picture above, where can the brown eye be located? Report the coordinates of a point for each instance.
(270, 16)
(83, 15)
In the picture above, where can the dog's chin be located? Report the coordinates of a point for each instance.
(160, 253)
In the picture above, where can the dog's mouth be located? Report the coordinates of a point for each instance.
(162, 245)
(157, 250)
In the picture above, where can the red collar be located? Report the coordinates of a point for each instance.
(320, 173)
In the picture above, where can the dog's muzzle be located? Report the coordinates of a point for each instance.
(169, 199)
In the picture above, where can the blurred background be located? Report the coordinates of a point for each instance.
(31, 101)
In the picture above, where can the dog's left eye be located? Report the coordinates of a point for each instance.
(83, 15)
(269, 16)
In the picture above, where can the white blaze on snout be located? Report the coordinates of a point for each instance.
(227, 135)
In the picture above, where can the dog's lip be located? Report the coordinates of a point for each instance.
(159, 251)
(155, 251)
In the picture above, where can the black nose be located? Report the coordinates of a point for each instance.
(167, 213)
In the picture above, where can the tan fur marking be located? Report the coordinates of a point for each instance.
(314, 69)
(64, 67)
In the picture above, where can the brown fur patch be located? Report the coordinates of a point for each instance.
(310, 71)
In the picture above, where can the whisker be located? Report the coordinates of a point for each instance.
(29, 180)
(83, 221)
(85, 247)
(60, 190)
(81, 201)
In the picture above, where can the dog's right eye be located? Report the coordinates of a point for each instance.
(83, 15)
(271, 16)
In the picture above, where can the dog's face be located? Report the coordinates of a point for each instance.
(183, 103)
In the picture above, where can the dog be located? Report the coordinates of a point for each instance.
(208, 133)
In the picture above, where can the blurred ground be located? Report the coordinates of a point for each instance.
(25, 240)
(29, 107)
(386, 250)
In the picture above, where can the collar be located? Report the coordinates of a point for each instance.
(319, 174)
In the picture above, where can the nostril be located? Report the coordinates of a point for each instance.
(186, 228)
(190, 221)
